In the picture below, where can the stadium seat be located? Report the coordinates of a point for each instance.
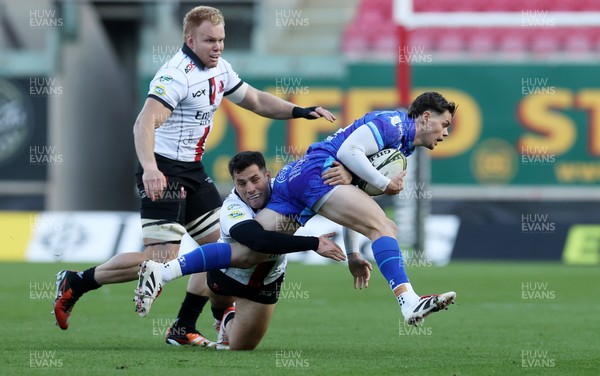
(384, 38)
(544, 44)
(355, 40)
(578, 45)
(450, 40)
(482, 40)
(513, 43)
(423, 38)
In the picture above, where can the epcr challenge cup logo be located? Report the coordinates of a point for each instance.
(14, 128)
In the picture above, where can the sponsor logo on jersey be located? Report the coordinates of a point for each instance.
(190, 67)
(159, 89)
(395, 120)
(221, 86)
(282, 175)
(167, 80)
(233, 206)
(236, 214)
(199, 93)
(204, 117)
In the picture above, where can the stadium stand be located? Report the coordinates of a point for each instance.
(372, 31)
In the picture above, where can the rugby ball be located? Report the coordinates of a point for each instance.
(389, 162)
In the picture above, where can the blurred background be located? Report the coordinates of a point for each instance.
(517, 178)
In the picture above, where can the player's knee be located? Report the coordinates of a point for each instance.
(391, 228)
(243, 345)
(385, 227)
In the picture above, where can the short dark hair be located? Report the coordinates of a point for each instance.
(431, 101)
(245, 159)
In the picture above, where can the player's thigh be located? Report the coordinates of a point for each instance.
(273, 221)
(203, 204)
(162, 239)
(162, 223)
(244, 257)
(353, 208)
(249, 325)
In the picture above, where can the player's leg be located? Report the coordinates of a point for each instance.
(352, 208)
(203, 203)
(245, 324)
(273, 221)
(249, 325)
(184, 331)
(162, 231)
(219, 303)
(213, 256)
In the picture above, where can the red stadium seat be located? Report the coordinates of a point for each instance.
(355, 40)
(384, 38)
(578, 44)
(544, 44)
(423, 38)
(451, 40)
(482, 40)
(513, 43)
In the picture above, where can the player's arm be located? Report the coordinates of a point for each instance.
(268, 105)
(251, 234)
(359, 267)
(353, 154)
(153, 114)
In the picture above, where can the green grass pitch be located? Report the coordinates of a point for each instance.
(509, 319)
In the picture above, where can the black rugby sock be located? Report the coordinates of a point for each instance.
(84, 282)
(190, 310)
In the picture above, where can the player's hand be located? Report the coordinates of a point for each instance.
(360, 270)
(321, 112)
(328, 248)
(396, 184)
(337, 175)
(312, 113)
(154, 183)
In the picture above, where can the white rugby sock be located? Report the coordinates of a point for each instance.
(407, 299)
(171, 270)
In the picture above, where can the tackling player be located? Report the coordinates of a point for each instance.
(257, 288)
(170, 135)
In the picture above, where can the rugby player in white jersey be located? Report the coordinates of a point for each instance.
(255, 290)
(170, 135)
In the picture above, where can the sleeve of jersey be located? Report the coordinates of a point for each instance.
(233, 212)
(169, 87)
(254, 236)
(235, 88)
(365, 140)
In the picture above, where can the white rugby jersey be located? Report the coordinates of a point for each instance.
(193, 92)
(235, 211)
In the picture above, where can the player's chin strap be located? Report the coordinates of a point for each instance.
(303, 112)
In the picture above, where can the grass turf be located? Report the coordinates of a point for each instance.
(509, 319)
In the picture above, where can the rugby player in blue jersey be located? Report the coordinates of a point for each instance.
(299, 193)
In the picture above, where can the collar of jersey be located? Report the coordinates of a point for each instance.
(188, 51)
